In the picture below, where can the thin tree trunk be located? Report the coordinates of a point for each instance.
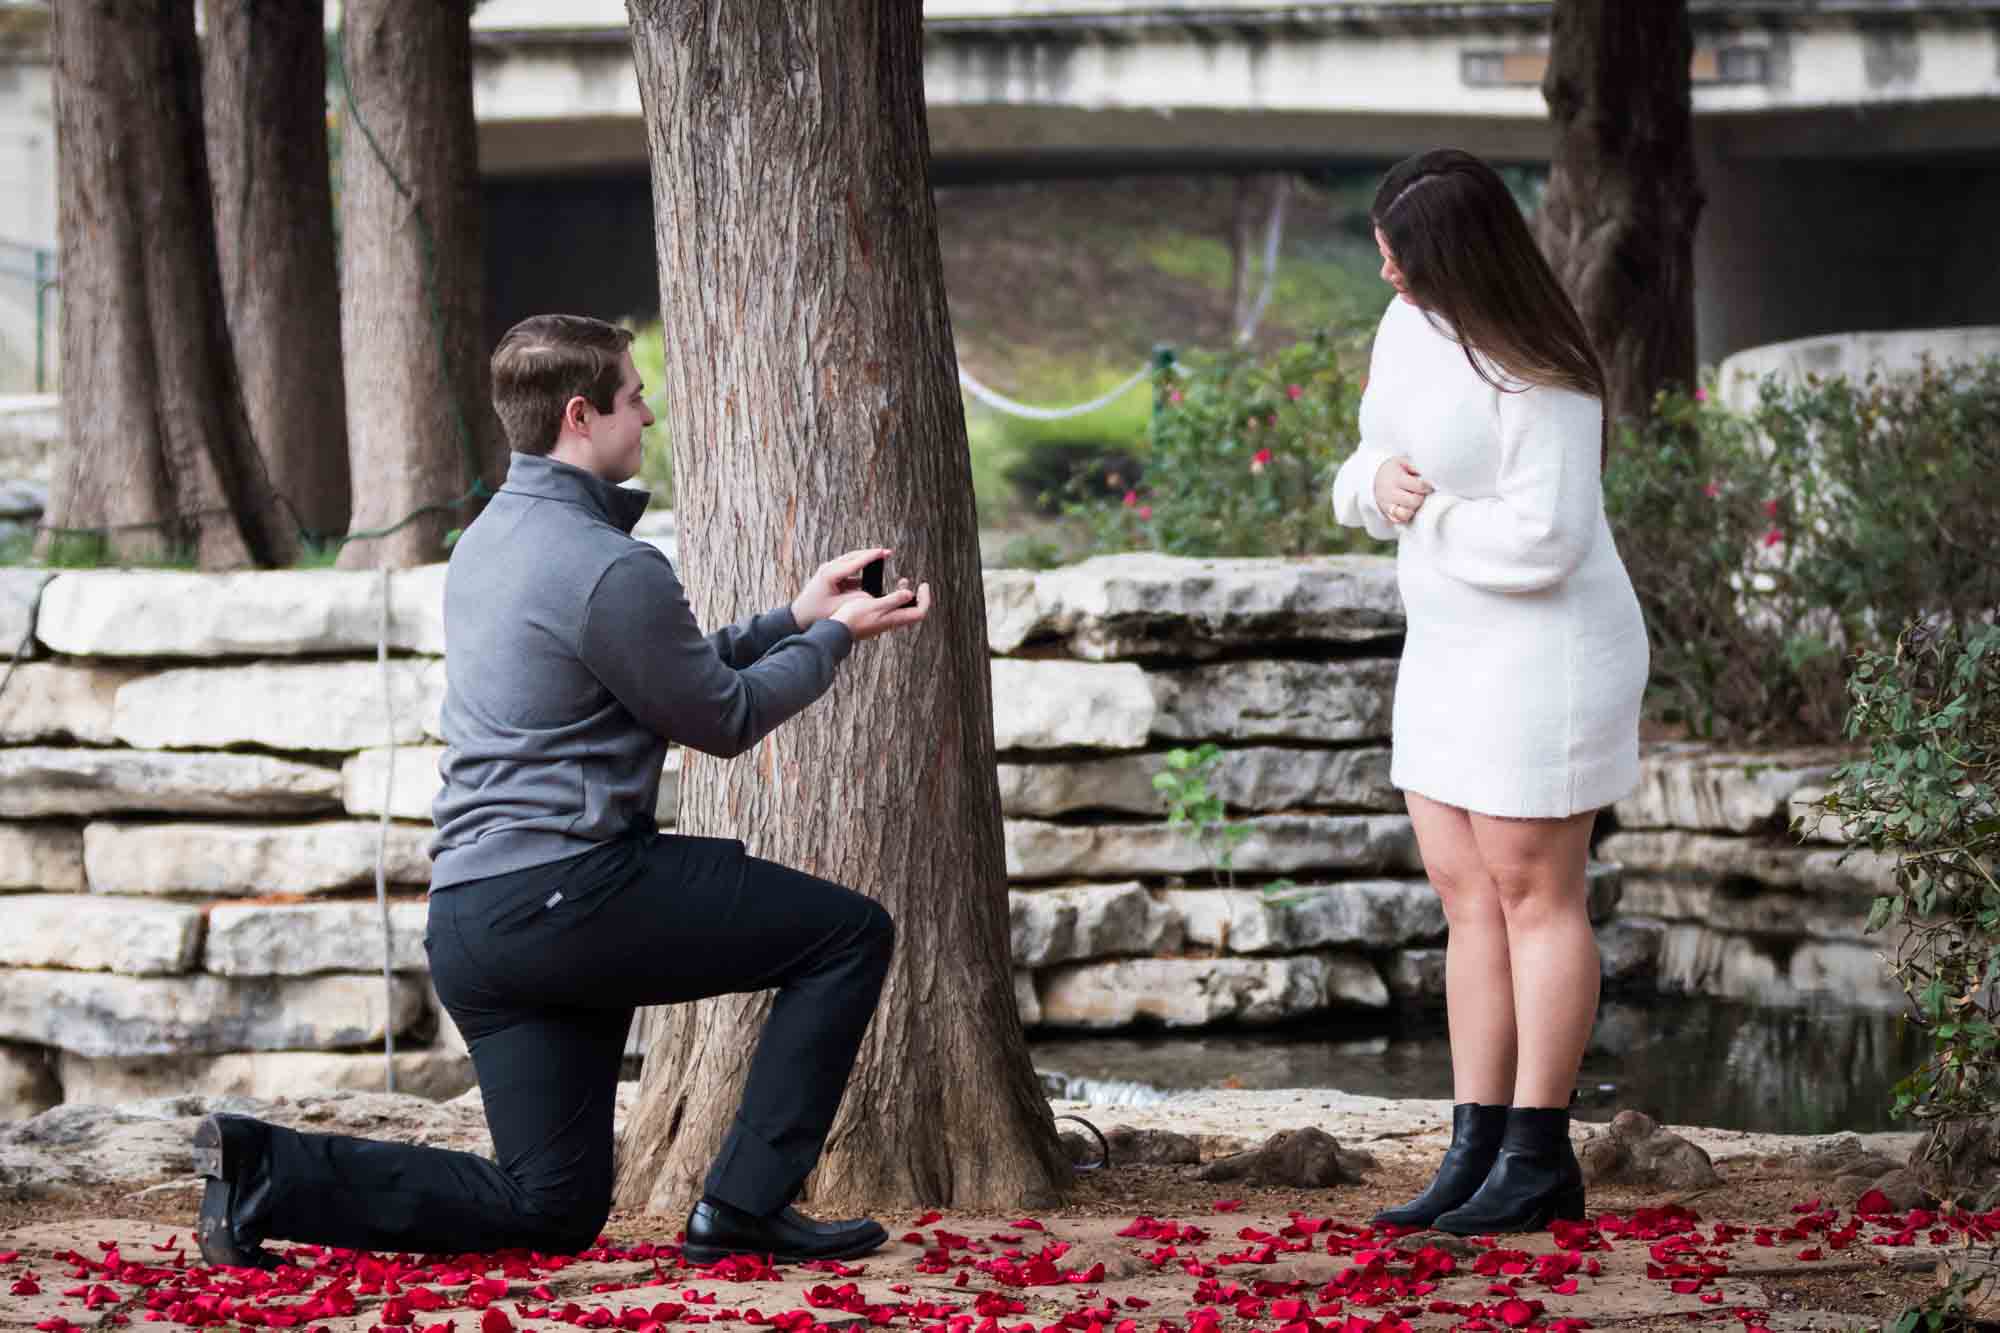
(813, 407)
(264, 91)
(420, 422)
(1618, 219)
(159, 461)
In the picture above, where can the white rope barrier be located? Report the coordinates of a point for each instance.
(1000, 402)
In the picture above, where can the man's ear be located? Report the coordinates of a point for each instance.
(577, 414)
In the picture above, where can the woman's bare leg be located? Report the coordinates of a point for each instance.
(1478, 985)
(1537, 868)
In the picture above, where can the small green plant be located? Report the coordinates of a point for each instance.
(1193, 805)
(1929, 793)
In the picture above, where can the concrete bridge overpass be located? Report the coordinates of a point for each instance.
(1850, 148)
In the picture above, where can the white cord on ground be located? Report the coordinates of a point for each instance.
(382, 848)
(1001, 403)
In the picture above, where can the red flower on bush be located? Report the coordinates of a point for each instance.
(1713, 489)
(1770, 509)
(1294, 392)
(1260, 460)
(1773, 537)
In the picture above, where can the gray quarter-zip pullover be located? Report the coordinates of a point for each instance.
(572, 659)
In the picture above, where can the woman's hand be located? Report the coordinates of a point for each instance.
(1399, 491)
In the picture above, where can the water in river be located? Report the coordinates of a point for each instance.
(1686, 1061)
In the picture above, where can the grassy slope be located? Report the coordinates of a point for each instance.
(1059, 291)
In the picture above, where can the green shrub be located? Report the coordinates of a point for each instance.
(1239, 459)
(1769, 549)
(1930, 714)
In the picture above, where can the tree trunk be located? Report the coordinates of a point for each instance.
(160, 461)
(420, 423)
(264, 91)
(813, 407)
(1618, 219)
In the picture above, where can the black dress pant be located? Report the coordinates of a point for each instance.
(541, 969)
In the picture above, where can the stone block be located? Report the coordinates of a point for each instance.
(248, 860)
(37, 782)
(417, 783)
(283, 706)
(271, 613)
(92, 934)
(1854, 872)
(41, 856)
(1147, 605)
(1693, 787)
(1365, 914)
(299, 939)
(266, 1075)
(1091, 921)
(1277, 845)
(1026, 1002)
(1416, 976)
(1727, 906)
(48, 701)
(1193, 992)
(1259, 778)
(1276, 700)
(19, 587)
(1070, 705)
(28, 1084)
(99, 1014)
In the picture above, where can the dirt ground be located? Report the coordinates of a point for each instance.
(1802, 1282)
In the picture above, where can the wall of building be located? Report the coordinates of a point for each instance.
(1791, 248)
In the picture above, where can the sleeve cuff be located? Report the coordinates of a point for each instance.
(833, 636)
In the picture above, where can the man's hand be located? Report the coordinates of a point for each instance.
(1399, 491)
(866, 617)
(833, 585)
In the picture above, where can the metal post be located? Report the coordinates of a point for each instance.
(1163, 364)
(44, 280)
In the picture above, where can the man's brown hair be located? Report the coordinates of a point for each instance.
(546, 360)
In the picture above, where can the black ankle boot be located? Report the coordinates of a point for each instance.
(1476, 1131)
(1535, 1179)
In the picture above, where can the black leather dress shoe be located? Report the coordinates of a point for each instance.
(715, 1231)
(229, 1151)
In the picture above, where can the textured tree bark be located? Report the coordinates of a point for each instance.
(159, 459)
(814, 409)
(420, 423)
(1618, 219)
(264, 93)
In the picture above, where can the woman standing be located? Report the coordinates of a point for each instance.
(1517, 701)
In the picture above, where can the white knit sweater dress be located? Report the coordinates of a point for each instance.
(1518, 693)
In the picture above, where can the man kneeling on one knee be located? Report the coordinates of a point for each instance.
(556, 906)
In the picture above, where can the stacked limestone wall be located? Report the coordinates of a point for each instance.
(193, 769)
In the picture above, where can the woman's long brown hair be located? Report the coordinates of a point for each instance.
(1468, 258)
